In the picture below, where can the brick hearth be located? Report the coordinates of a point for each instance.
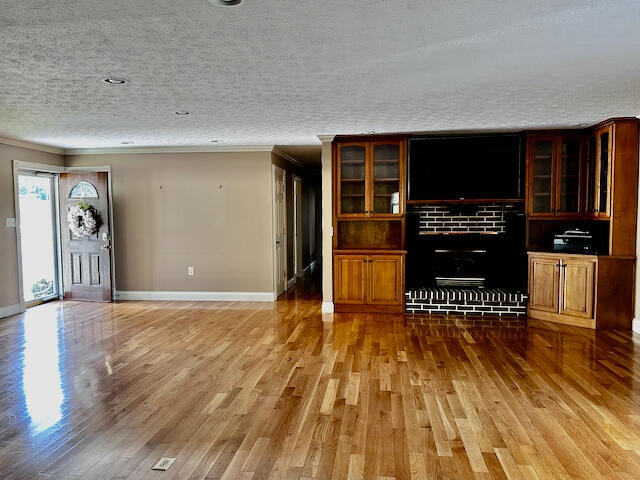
(467, 301)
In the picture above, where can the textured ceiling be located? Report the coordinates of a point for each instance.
(281, 72)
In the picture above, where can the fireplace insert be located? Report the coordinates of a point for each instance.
(460, 267)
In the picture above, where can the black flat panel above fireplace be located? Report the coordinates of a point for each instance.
(470, 167)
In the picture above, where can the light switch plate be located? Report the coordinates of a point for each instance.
(10, 222)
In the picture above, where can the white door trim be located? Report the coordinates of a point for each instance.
(297, 227)
(277, 266)
(107, 170)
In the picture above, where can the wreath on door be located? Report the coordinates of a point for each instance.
(82, 219)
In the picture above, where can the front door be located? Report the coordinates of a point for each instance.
(86, 238)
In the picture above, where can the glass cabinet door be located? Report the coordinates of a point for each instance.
(569, 176)
(603, 173)
(542, 181)
(555, 164)
(386, 178)
(352, 185)
(598, 179)
(592, 154)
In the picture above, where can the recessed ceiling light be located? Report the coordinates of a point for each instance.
(126, 143)
(225, 3)
(182, 112)
(115, 80)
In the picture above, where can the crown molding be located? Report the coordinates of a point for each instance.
(326, 138)
(201, 149)
(286, 156)
(31, 146)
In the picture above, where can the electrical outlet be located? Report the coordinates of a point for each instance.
(190, 271)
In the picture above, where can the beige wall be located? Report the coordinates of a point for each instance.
(211, 211)
(9, 295)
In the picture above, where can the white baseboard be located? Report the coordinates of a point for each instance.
(327, 307)
(635, 325)
(11, 310)
(197, 296)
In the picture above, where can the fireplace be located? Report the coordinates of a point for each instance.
(477, 267)
(465, 267)
(466, 257)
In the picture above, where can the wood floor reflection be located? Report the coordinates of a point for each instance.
(251, 391)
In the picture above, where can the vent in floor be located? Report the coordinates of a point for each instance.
(163, 464)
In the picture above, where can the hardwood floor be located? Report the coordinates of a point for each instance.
(245, 390)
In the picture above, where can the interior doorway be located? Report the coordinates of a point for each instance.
(39, 246)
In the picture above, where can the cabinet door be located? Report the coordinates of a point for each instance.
(577, 279)
(567, 199)
(554, 174)
(351, 185)
(598, 173)
(541, 153)
(386, 280)
(386, 178)
(543, 283)
(350, 278)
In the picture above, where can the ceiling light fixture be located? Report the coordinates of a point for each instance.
(182, 112)
(115, 80)
(225, 3)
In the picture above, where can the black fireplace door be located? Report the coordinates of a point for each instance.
(461, 267)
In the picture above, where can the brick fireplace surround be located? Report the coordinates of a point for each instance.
(443, 222)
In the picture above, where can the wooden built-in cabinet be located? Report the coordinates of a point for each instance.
(369, 279)
(586, 180)
(369, 185)
(583, 290)
(612, 181)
